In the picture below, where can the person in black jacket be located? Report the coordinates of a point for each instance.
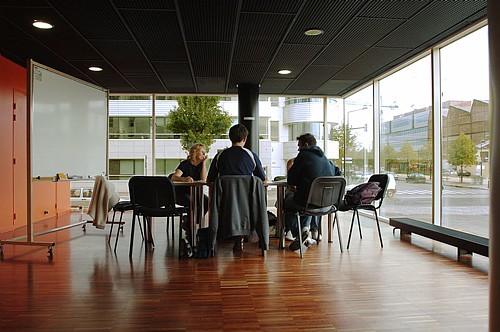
(236, 160)
(309, 164)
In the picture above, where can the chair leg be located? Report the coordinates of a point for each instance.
(168, 223)
(173, 222)
(378, 227)
(132, 236)
(112, 224)
(147, 228)
(118, 229)
(300, 235)
(180, 234)
(320, 231)
(350, 231)
(336, 219)
(359, 225)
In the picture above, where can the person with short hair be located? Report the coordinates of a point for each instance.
(236, 160)
(309, 164)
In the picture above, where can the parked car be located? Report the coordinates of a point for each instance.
(391, 185)
(395, 175)
(416, 178)
(464, 173)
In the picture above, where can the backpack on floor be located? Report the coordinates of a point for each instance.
(363, 193)
(203, 243)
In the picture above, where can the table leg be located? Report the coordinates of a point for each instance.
(280, 223)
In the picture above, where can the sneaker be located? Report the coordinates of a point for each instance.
(309, 242)
(316, 235)
(289, 236)
(294, 246)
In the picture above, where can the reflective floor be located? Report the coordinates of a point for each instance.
(86, 286)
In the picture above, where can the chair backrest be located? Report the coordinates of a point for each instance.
(325, 195)
(152, 191)
(383, 181)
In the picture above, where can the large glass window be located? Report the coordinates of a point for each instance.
(406, 140)
(129, 127)
(466, 133)
(166, 166)
(297, 129)
(358, 130)
(123, 169)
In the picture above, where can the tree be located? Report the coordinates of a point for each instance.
(199, 119)
(462, 152)
(347, 140)
(407, 153)
(388, 156)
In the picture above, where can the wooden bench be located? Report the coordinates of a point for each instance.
(465, 242)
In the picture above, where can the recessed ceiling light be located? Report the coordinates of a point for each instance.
(284, 72)
(95, 68)
(313, 32)
(42, 25)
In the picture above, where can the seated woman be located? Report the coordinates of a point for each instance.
(190, 170)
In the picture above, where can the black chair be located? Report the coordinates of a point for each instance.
(121, 207)
(383, 180)
(153, 196)
(324, 197)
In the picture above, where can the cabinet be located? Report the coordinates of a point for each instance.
(49, 199)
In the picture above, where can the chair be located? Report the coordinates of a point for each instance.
(238, 208)
(153, 196)
(121, 207)
(383, 180)
(324, 197)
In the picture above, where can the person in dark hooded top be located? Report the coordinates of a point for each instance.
(309, 164)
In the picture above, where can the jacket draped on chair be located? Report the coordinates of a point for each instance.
(238, 208)
(104, 198)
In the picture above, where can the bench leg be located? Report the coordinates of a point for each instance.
(404, 233)
(463, 254)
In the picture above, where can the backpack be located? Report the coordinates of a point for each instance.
(203, 243)
(363, 193)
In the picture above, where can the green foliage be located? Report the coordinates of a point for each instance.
(389, 152)
(407, 152)
(198, 119)
(347, 140)
(462, 152)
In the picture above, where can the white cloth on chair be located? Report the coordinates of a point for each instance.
(104, 198)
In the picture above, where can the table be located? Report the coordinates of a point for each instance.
(195, 206)
(280, 212)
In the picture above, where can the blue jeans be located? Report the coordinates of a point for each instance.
(291, 208)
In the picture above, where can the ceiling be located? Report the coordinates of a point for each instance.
(211, 46)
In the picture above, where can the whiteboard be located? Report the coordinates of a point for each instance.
(69, 125)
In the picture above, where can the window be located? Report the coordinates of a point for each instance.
(406, 139)
(167, 166)
(275, 132)
(123, 169)
(465, 116)
(358, 146)
(129, 127)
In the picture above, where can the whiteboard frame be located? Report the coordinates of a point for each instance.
(29, 135)
(52, 118)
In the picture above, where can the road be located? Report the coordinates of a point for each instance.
(464, 206)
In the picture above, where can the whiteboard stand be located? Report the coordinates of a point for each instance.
(57, 101)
